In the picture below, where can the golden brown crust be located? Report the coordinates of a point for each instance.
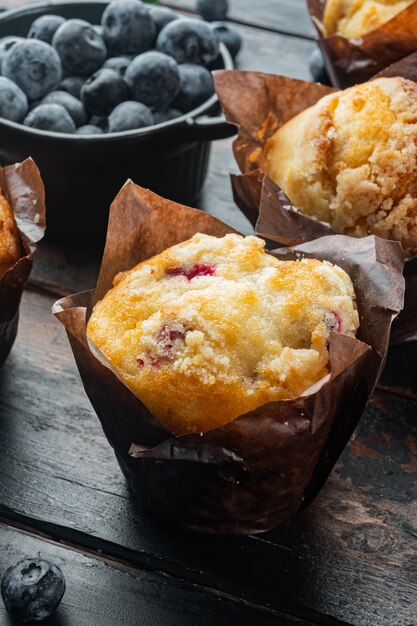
(214, 327)
(351, 160)
(355, 18)
(10, 243)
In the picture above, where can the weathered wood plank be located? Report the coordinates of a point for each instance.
(285, 16)
(349, 557)
(102, 593)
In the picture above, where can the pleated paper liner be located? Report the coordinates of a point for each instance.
(352, 61)
(22, 185)
(255, 472)
(259, 104)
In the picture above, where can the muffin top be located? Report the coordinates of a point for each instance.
(355, 18)
(10, 246)
(214, 327)
(350, 160)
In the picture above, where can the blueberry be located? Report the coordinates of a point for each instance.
(72, 84)
(118, 64)
(72, 105)
(99, 29)
(32, 589)
(50, 117)
(81, 49)
(153, 79)
(128, 26)
(189, 41)
(213, 10)
(33, 65)
(129, 116)
(99, 120)
(89, 129)
(197, 86)
(103, 91)
(45, 27)
(6, 43)
(229, 36)
(166, 116)
(13, 102)
(318, 69)
(161, 17)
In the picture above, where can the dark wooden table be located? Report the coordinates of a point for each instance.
(349, 559)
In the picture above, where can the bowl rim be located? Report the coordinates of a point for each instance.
(185, 120)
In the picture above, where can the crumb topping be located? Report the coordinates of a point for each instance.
(355, 18)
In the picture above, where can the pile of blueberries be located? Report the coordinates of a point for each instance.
(142, 65)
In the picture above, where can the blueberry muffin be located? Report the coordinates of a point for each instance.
(10, 244)
(215, 327)
(351, 160)
(355, 18)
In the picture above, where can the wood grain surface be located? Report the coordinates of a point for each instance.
(100, 592)
(59, 475)
(285, 16)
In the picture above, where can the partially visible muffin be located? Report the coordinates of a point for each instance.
(215, 327)
(10, 244)
(355, 18)
(351, 160)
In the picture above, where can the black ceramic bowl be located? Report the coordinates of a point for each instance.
(82, 174)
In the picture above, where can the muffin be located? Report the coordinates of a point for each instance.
(10, 244)
(350, 160)
(215, 327)
(355, 18)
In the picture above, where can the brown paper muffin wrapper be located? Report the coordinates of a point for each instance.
(269, 101)
(258, 470)
(23, 188)
(352, 61)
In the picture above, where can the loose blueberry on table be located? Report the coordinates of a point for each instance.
(318, 69)
(142, 65)
(32, 589)
(213, 10)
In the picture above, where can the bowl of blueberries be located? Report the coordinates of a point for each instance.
(98, 92)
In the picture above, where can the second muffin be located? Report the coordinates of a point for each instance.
(350, 160)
